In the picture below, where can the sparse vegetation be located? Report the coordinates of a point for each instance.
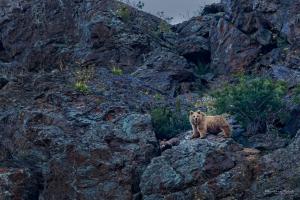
(202, 69)
(117, 71)
(81, 87)
(124, 13)
(164, 27)
(255, 102)
(158, 97)
(168, 123)
(82, 77)
(207, 103)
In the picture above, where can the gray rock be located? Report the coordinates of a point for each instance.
(195, 163)
(232, 50)
(283, 73)
(279, 178)
(164, 71)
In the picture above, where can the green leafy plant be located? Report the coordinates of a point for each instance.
(117, 71)
(82, 77)
(81, 87)
(158, 97)
(202, 69)
(123, 13)
(168, 123)
(163, 27)
(255, 102)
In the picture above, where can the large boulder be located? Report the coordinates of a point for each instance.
(200, 168)
(280, 174)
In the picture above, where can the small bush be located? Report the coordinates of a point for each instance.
(81, 87)
(256, 103)
(168, 123)
(82, 77)
(164, 27)
(202, 69)
(117, 71)
(124, 13)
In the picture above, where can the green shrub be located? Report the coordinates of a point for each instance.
(81, 87)
(164, 27)
(123, 12)
(82, 76)
(168, 123)
(117, 71)
(202, 69)
(255, 102)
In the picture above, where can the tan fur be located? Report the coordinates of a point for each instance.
(203, 124)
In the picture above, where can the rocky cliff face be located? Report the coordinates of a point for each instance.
(60, 143)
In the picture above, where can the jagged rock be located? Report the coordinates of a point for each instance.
(104, 165)
(58, 142)
(279, 177)
(195, 49)
(75, 141)
(16, 183)
(196, 26)
(196, 168)
(164, 71)
(266, 141)
(168, 144)
(47, 42)
(283, 73)
(232, 50)
(213, 9)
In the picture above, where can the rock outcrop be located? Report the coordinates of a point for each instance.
(279, 177)
(212, 168)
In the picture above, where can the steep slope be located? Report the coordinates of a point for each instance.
(77, 82)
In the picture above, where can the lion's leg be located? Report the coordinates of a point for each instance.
(195, 132)
(226, 130)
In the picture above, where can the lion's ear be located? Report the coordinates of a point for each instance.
(191, 112)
